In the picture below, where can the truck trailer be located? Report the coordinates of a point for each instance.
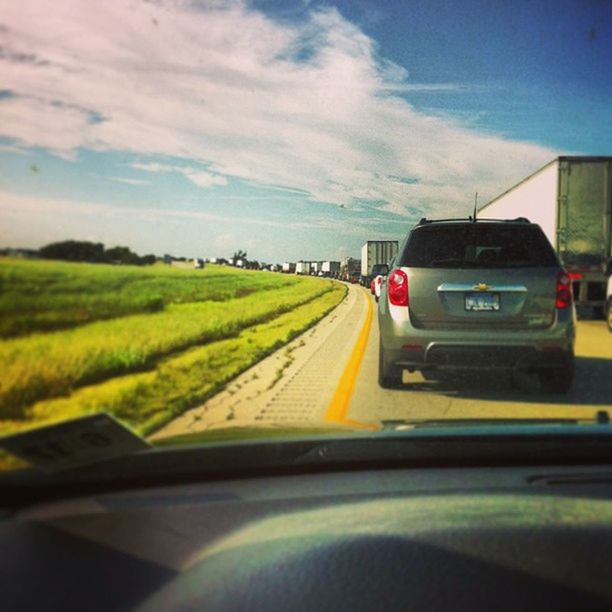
(302, 267)
(288, 267)
(571, 200)
(330, 269)
(376, 252)
(349, 269)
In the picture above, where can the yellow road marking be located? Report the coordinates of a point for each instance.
(339, 404)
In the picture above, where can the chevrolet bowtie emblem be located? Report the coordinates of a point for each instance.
(482, 287)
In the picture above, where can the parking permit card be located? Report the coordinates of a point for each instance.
(74, 443)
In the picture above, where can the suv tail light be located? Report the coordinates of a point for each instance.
(564, 290)
(397, 284)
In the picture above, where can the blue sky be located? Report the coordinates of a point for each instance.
(289, 129)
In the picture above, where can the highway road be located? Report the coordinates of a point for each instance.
(329, 376)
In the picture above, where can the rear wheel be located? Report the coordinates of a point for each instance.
(389, 377)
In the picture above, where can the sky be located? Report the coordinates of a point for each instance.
(288, 129)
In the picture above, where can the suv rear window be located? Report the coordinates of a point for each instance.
(474, 245)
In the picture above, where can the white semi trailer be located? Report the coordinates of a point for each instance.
(571, 200)
(302, 267)
(288, 267)
(330, 268)
(376, 253)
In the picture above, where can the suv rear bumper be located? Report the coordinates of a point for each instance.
(412, 348)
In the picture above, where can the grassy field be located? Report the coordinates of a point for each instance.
(144, 344)
(46, 295)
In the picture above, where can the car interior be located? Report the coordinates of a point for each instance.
(423, 523)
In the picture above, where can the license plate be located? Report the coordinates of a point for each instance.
(482, 301)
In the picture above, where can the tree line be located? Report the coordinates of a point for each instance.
(94, 252)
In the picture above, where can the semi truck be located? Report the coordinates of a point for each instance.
(330, 268)
(349, 269)
(288, 267)
(571, 199)
(375, 253)
(302, 267)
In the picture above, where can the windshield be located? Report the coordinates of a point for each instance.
(196, 196)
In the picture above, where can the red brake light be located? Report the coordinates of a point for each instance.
(397, 284)
(575, 276)
(564, 291)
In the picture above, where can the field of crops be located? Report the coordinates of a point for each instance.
(142, 343)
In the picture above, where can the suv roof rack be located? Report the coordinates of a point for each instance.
(426, 221)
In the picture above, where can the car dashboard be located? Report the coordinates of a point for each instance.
(424, 538)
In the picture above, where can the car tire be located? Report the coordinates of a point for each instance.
(388, 377)
(609, 315)
(557, 380)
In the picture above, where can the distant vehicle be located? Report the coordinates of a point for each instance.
(302, 267)
(288, 267)
(330, 269)
(349, 269)
(377, 285)
(198, 263)
(571, 199)
(485, 295)
(377, 270)
(375, 253)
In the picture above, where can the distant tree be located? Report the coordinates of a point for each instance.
(93, 252)
(240, 255)
(74, 250)
(121, 254)
(148, 260)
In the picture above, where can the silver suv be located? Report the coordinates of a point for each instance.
(481, 295)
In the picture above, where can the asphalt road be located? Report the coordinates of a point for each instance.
(328, 376)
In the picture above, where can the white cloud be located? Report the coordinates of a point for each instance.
(206, 179)
(13, 149)
(309, 106)
(25, 206)
(127, 181)
(201, 178)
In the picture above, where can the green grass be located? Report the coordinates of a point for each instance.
(44, 295)
(148, 400)
(143, 343)
(47, 365)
